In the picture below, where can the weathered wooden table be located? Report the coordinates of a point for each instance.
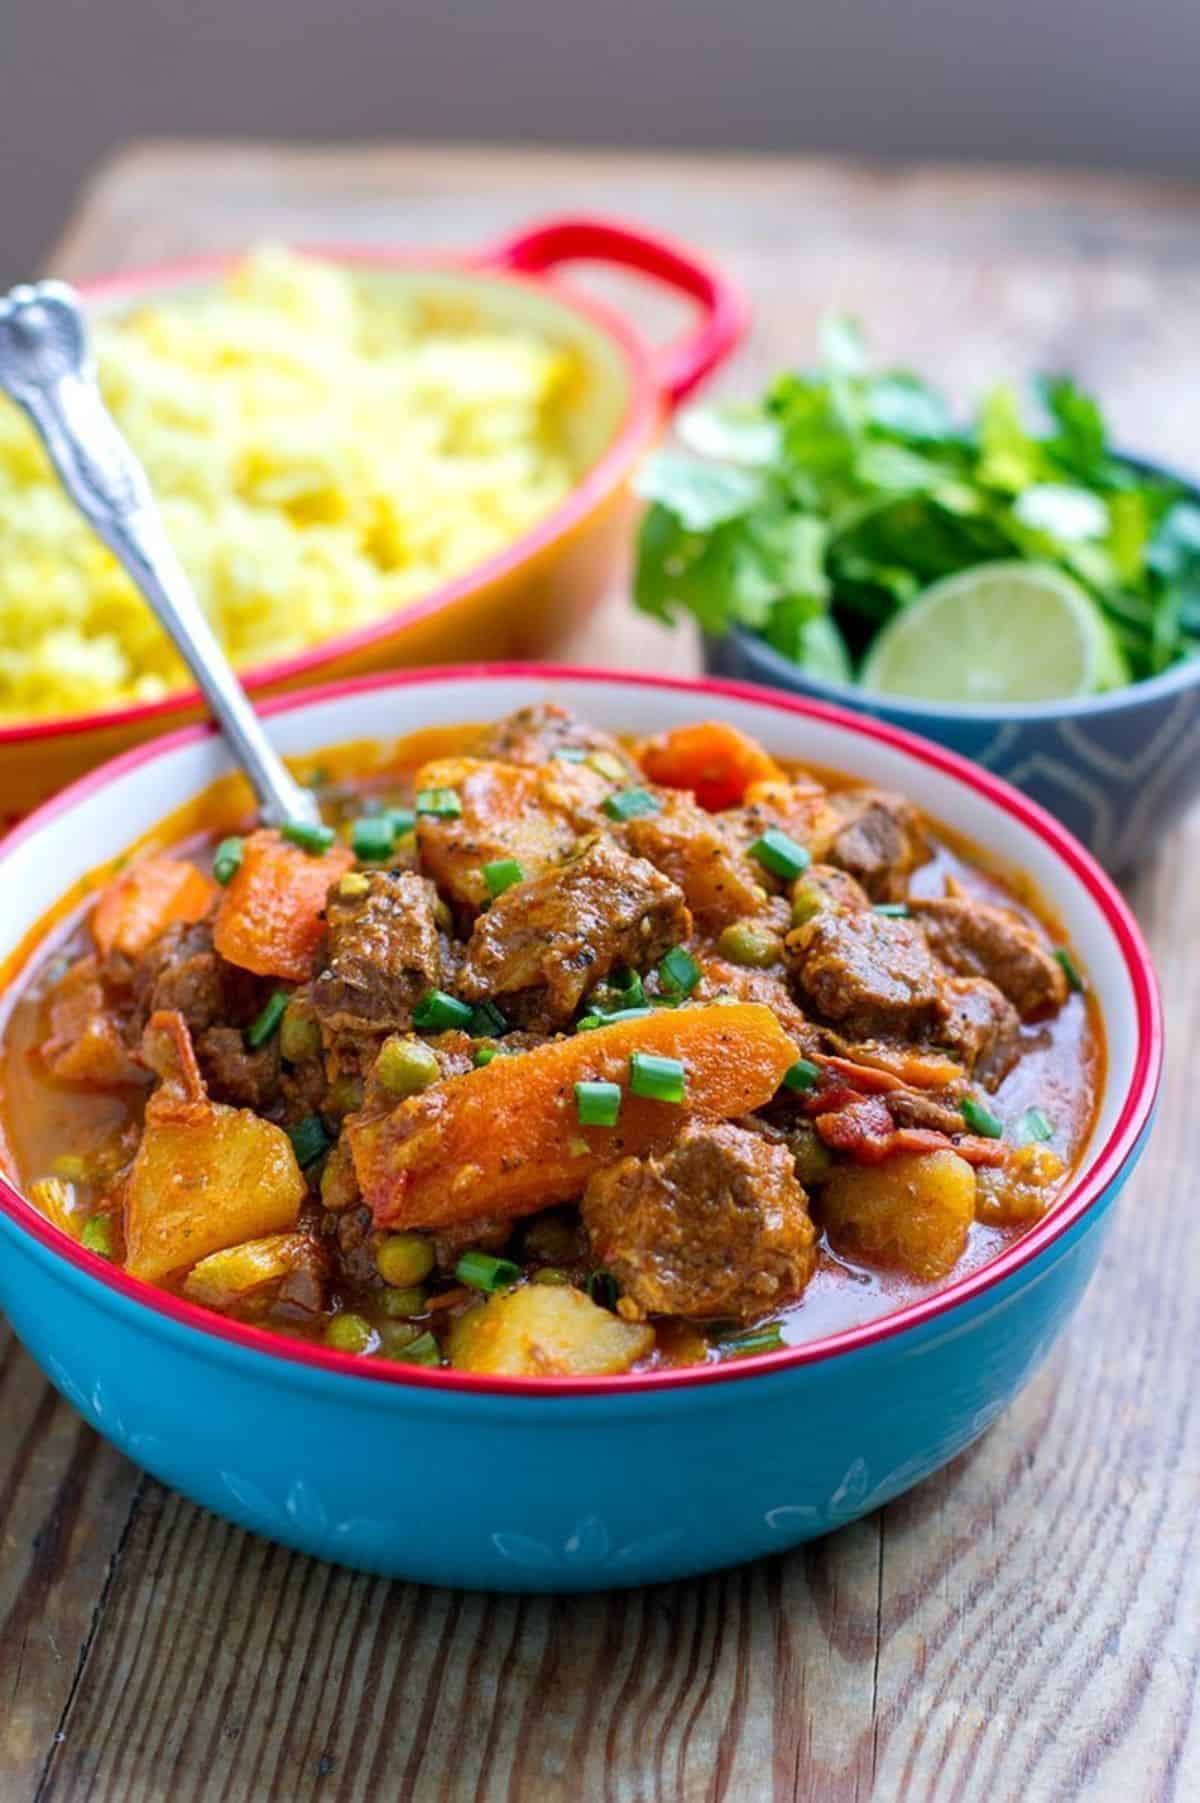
(1023, 1627)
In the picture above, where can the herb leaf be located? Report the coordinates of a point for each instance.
(813, 517)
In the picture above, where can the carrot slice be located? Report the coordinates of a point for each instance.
(506, 1139)
(145, 899)
(271, 916)
(715, 761)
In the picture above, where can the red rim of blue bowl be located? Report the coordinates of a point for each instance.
(1102, 1167)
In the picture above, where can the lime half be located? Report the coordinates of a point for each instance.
(998, 632)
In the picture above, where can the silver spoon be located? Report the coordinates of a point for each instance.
(47, 368)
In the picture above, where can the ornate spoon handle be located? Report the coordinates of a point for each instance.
(46, 367)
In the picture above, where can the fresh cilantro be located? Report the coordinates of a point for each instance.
(813, 517)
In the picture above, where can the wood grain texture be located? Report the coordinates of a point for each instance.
(1023, 1627)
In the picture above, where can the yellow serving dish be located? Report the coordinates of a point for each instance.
(522, 601)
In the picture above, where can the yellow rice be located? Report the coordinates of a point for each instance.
(324, 452)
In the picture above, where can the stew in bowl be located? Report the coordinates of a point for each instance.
(555, 1053)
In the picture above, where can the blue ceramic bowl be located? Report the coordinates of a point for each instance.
(516, 1484)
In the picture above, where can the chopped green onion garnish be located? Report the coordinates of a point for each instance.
(779, 854)
(658, 1079)
(758, 1339)
(802, 1075)
(598, 1104)
(980, 1119)
(893, 910)
(265, 1025)
(424, 1350)
(314, 839)
(1070, 969)
(629, 804)
(501, 874)
(309, 1139)
(444, 803)
(227, 860)
(622, 991)
(403, 820)
(486, 1022)
(437, 1011)
(603, 1288)
(586, 1024)
(372, 837)
(679, 972)
(1032, 1125)
(480, 1271)
(569, 754)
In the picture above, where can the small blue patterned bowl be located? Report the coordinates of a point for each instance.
(1118, 770)
(573, 1483)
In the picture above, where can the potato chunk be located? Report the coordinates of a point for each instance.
(544, 1331)
(911, 1213)
(205, 1177)
(238, 1272)
(1019, 1191)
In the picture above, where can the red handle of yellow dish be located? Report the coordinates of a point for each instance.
(724, 312)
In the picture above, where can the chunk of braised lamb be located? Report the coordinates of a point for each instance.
(533, 735)
(977, 939)
(878, 838)
(486, 1234)
(825, 886)
(868, 973)
(695, 850)
(181, 973)
(245, 1076)
(546, 941)
(353, 1230)
(981, 1026)
(383, 952)
(506, 811)
(714, 1227)
(88, 1040)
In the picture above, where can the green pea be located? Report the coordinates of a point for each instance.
(746, 943)
(805, 903)
(404, 1066)
(299, 1037)
(812, 1155)
(395, 1337)
(97, 1236)
(400, 1304)
(551, 1274)
(351, 1333)
(404, 1259)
